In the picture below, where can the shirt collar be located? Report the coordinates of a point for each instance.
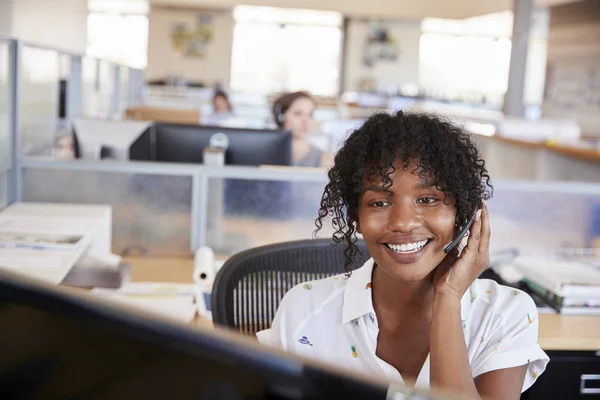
(358, 299)
(357, 296)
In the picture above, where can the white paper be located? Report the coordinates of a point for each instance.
(171, 300)
(49, 266)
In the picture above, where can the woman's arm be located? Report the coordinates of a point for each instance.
(449, 361)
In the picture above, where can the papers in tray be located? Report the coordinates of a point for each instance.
(39, 240)
(171, 300)
(51, 266)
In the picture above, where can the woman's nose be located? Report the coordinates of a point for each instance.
(403, 218)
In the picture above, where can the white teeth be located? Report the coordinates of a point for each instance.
(408, 247)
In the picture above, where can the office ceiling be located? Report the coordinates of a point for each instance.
(366, 8)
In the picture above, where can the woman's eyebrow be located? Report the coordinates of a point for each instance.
(425, 184)
(376, 188)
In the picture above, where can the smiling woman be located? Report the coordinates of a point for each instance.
(414, 313)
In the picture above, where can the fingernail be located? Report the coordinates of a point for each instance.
(478, 216)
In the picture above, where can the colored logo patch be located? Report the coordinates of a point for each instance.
(304, 340)
(529, 319)
(372, 317)
(307, 286)
(354, 353)
(369, 286)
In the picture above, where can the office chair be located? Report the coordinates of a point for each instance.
(251, 284)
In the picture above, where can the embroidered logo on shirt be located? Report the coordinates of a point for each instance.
(355, 322)
(474, 297)
(372, 317)
(304, 340)
(369, 286)
(515, 292)
(529, 319)
(534, 375)
(464, 325)
(488, 292)
(354, 353)
(307, 286)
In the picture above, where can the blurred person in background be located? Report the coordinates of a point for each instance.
(294, 112)
(222, 109)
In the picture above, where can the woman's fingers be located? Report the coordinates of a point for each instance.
(486, 232)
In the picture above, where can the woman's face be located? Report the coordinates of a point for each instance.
(220, 104)
(406, 230)
(299, 117)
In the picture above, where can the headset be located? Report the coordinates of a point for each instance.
(279, 116)
(450, 246)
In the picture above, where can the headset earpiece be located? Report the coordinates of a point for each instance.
(279, 116)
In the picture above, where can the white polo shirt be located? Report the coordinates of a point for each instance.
(333, 320)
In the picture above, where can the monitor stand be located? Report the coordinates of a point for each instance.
(216, 238)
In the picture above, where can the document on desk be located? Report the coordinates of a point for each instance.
(171, 300)
(47, 265)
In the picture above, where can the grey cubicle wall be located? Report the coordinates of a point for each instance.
(5, 121)
(151, 207)
(171, 209)
(38, 98)
(29, 100)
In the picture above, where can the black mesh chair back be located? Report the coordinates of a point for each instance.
(250, 285)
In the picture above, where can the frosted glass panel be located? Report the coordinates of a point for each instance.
(244, 214)
(106, 86)
(39, 99)
(124, 95)
(3, 188)
(151, 213)
(542, 218)
(4, 105)
(89, 86)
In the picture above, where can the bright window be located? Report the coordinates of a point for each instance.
(286, 50)
(121, 38)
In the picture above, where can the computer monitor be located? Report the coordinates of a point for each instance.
(116, 140)
(62, 344)
(186, 143)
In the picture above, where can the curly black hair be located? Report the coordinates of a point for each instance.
(442, 149)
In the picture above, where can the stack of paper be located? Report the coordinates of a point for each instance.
(171, 300)
(568, 287)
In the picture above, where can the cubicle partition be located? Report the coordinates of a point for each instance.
(41, 90)
(39, 80)
(152, 203)
(163, 209)
(6, 109)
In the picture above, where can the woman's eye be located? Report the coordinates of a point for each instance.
(427, 200)
(379, 204)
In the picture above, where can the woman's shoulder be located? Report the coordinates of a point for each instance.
(500, 301)
(308, 296)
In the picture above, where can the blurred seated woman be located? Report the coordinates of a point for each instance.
(222, 109)
(294, 112)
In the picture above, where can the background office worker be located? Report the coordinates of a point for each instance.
(294, 112)
(222, 109)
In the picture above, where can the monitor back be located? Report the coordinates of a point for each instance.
(186, 143)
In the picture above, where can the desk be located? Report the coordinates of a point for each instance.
(556, 332)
